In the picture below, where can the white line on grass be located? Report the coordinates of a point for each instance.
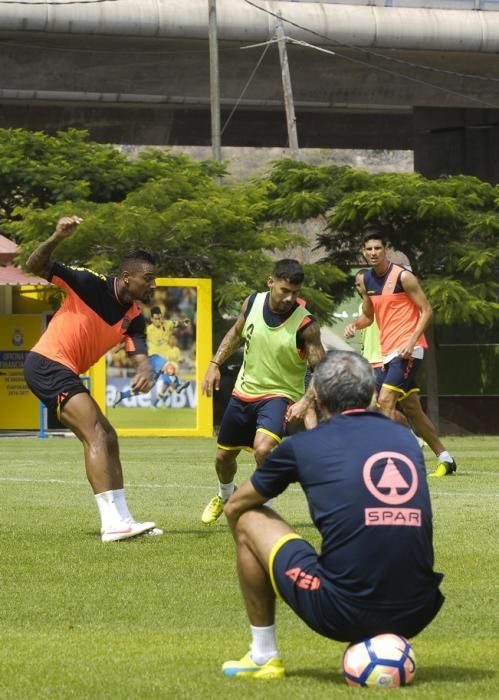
(84, 483)
(15, 479)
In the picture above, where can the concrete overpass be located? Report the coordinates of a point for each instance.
(401, 77)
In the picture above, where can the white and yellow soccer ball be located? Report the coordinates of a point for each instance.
(385, 661)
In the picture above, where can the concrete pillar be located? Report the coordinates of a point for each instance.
(457, 142)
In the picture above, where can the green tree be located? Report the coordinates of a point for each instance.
(448, 228)
(197, 225)
(37, 170)
(299, 192)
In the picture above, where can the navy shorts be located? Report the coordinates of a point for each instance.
(378, 376)
(298, 579)
(399, 375)
(242, 420)
(51, 382)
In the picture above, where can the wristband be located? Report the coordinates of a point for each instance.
(214, 363)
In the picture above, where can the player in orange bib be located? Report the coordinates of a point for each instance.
(393, 296)
(98, 312)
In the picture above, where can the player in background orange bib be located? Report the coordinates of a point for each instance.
(98, 312)
(393, 297)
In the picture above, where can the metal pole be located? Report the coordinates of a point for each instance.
(288, 90)
(216, 144)
(43, 413)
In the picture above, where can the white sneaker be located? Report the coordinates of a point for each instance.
(126, 530)
(155, 532)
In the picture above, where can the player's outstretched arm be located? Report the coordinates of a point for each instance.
(243, 499)
(230, 342)
(143, 378)
(365, 319)
(39, 260)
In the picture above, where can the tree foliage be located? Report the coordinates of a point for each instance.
(448, 228)
(200, 226)
(37, 170)
(196, 225)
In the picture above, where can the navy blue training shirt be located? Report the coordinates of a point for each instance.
(365, 482)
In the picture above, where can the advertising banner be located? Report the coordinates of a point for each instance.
(19, 409)
(179, 347)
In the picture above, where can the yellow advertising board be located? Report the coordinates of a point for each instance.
(174, 407)
(19, 409)
(181, 345)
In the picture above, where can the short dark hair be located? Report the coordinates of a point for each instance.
(155, 311)
(373, 234)
(289, 270)
(138, 255)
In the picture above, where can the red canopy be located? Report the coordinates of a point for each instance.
(8, 250)
(15, 276)
(9, 274)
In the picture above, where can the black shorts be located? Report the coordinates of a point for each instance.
(242, 419)
(50, 381)
(298, 579)
(399, 375)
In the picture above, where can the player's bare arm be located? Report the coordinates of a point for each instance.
(39, 260)
(143, 378)
(244, 498)
(314, 352)
(412, 287)
(230, 342)
(365, 319)
(314, 349)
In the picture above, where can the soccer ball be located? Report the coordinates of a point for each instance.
(385, 661)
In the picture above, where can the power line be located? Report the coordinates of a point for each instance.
(443, 71)
(392, 59)
(385, 70)
(53, 2)
(369, 52)
(248, 83)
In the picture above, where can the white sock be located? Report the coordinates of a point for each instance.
(445, 457)
(110, 515)
(263, 644)
(122, 505)
(225, 491)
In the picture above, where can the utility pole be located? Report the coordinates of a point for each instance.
(288, 90)
(216, 144)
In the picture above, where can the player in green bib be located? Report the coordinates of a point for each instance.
(281, 339)
(371, 344)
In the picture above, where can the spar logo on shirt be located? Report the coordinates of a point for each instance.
(392, 478)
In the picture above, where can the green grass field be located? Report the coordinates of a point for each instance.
(162, 417)
(156, 617)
